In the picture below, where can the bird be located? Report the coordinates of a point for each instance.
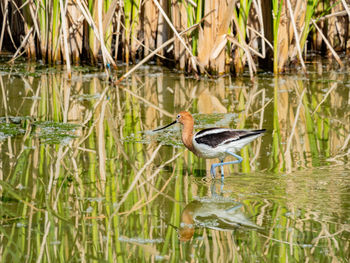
(214, 142)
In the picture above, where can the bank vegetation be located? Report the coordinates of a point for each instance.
(198, 36)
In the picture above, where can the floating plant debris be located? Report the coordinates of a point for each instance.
(55, 132)
(10, 130)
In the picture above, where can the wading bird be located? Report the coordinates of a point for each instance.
(213, 142)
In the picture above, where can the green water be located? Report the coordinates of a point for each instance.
(83, 178)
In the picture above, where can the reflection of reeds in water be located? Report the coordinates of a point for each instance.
(106, 196)
(227, 34)
(303, 127)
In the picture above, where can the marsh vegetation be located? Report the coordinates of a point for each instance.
(198, 36)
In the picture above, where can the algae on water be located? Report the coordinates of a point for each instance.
(55, 132)
(10, 130)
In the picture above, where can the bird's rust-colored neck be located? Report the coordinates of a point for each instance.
(187, 131)
(187, 135)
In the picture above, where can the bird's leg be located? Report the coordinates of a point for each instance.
(221, 164)
(240, 159)
(222, 168)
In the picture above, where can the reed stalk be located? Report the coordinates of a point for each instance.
(127, 24)
(64, 29)
(276, 17)
(310, 9)
(242, 30)
(107, 30)
(41, 11)
(54, 41)
(198, 16)
(3, 6)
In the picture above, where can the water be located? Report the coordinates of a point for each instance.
(84, 179)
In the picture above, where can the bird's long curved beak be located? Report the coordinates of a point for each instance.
(165, 126)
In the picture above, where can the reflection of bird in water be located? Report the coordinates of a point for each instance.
(214, 213)
(214, 142)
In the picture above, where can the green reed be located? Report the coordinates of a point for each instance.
(194, 20)
(310, 10)
(131, 9)
(242, 18)
(92, 5)
(55, 33)
(276, 17)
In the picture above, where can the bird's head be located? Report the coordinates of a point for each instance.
(183, 117)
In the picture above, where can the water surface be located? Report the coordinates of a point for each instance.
(84, 178)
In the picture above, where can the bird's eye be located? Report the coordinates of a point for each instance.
(178, 116)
